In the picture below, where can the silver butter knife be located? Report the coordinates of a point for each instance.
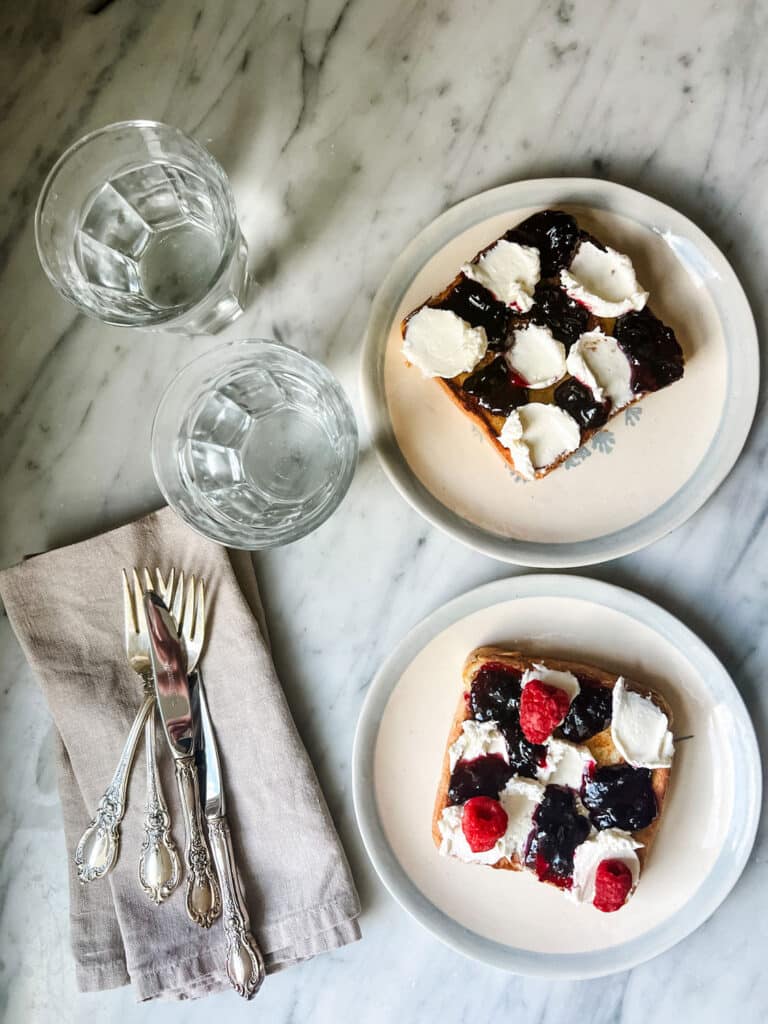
(169, 667)
(245, 964)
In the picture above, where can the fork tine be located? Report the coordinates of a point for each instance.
(177, 611)
(139, 604)
(166, 588)
(188, 618)
(198, 624)
(129, 615)
(148, 584)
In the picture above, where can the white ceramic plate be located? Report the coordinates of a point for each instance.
(511, 920)
(640, 477)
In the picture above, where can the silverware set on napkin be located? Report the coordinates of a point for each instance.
(164, 622)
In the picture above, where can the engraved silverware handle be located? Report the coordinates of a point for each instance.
(203, 898)
(245, 964)
(99, 845)
(159, 864)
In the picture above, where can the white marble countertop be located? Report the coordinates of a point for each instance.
(346, 125)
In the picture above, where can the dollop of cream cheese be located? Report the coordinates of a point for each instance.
(566, 763)
(509, 271)
(537, 435)
(519, 798)
(599, 363)
(535, 356)
(610, 844)
(640, 729)
(477, 739)
(441, 344)
(603, 280)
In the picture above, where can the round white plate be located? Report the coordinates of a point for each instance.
(640, 477)
(510, 920)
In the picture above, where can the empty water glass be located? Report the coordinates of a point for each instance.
(254, 444)
(136, 225)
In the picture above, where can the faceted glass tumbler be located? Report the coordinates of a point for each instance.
(136, 225)
(254, 444)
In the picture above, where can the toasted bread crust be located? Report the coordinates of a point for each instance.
(601, 745)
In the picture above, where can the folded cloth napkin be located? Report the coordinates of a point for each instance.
(66, 609)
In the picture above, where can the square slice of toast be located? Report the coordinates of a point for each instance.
(655, 357)
(600, 745)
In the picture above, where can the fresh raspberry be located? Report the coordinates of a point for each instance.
(483, 822)
(613, 880)
(542, 709)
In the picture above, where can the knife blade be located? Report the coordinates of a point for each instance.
(169, 666)
(169, 669)
(245, 964)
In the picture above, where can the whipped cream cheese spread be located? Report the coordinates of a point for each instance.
(552, 677)
(520, 798)
(598, 362)
(566, 763)
(535, 356)
(639, 729)
(509, 271)
(441, 344)
(610, 844)
(477, 739)
(603, 280)
(538, 435)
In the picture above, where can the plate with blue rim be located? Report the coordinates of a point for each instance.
(510, 920)
(649, 469)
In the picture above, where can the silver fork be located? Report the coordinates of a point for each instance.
(99, 845)
(159, 862)
(203, 895)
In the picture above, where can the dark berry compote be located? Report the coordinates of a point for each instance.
(493, 388)
(558, 829)
(620, 796)
(652, 349)
(577, 399)
(478, 307)
(552, 308)
(495, 692)
(589, 713)
(483, 776)
(554, 233)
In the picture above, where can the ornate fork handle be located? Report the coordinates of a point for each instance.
(159, 864)
(245, 964)
(99, 845)
(203, 897)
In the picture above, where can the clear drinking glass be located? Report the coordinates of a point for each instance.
(136, 225)
(254, 444)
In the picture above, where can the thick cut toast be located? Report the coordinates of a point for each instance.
(652, 370)
(600, 745)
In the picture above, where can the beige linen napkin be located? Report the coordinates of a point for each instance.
(66, 610)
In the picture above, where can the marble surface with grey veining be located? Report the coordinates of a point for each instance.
(346, 126)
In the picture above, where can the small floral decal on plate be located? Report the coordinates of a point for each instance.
(579, 456)
(632, 415)
(604, 442)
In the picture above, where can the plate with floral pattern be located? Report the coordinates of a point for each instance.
(649, 469)
(509, 919)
